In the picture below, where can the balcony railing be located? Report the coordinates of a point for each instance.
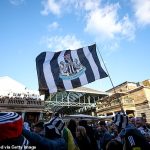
(115, 102)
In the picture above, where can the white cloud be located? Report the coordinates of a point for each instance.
(53, 26)
(88, 5)
(16, 2)
(57, 43)
(51, 6)
(102, 20)
(105, 24)
(128, 28)
(60, 6)
(142, 11)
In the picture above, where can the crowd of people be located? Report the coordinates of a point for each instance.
(122, 133)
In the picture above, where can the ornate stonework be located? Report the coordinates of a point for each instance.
(133, 97)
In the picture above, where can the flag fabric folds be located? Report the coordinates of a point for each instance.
(68, 69)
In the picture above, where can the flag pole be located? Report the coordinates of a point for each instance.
(110, 80)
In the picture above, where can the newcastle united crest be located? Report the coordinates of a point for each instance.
(70, 69)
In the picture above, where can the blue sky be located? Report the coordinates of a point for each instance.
(121, 30)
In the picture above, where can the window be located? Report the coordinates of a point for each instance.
(143, 116)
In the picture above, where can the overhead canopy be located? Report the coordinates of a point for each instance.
(81, 117)
(7, 84)
(12, 88)
(69, 101)
(87, 90)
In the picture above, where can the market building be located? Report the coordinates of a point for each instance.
(16, 97)
(133, 97)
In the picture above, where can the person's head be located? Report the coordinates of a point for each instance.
(54, 128)
(139, 122)
(38, 127)
(80, 132)
(132, 121)
(120, 120)
(56, 114)
(113, 126)
(11, 125)
(72, 125)
(114, 145)
(83, 123)
(102, 125)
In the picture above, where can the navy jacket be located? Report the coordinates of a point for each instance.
(42, 143)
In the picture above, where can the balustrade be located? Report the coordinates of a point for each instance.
(115, 102)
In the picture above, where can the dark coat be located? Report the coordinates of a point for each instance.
(19, 143)
(84, 143)
(43, 143)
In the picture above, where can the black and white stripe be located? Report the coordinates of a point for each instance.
(48, 70)
(121, 120)
(25, 143)
(9, 117)
(57, 124)
(131, 140)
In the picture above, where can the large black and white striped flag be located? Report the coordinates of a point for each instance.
(64, 70)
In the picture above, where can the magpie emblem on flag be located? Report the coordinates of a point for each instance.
(68, 69)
